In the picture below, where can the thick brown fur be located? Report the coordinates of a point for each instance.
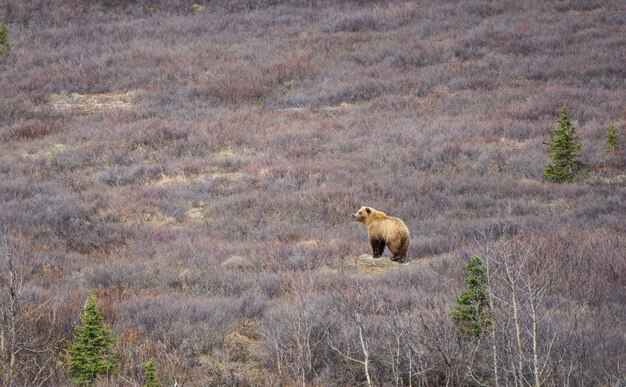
(384, 230)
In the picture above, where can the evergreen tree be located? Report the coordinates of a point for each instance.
(5, 47)
(90, 353)
(565, 157)
(150, 375)
(470, 313)
(611, 140)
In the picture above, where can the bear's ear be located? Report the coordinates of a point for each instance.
(368, 210)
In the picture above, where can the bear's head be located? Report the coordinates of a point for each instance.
(362, 214)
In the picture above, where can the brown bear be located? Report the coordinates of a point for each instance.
(385, 230)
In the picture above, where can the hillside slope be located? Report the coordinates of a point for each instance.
(196, 165)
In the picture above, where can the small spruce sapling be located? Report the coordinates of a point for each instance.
(565, 157)
(5, 47)
(90, 354)
(611, 140)
(150, 375)
(470, 312)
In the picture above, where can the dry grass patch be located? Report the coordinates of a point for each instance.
(169, 180)
(155, 219)
(237, 262)
(366, 264)
(195, 214)
(46, 152)
(85, 104)
(320, 108)
(182, 179)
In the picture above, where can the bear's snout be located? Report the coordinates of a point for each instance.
(353, 216)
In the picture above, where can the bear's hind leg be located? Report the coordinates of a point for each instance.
(378, 246)
(399, 250)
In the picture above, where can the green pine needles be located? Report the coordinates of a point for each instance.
(5, 47)
(611, 140)
(470, 313)
(565, 157)
(150, 375)
(90, 354)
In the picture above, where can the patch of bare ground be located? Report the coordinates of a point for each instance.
(366, 264)
(47, 151)
(507, 143)
(230, 153)
(153, 218)
(307, 243)
(182, 179)
(213, 173)
(320, 108)
(237, 262)
(370, 265)
(85, 104)
(158, 219)
(196, 212)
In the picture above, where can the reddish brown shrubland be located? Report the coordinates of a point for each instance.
(214, 208)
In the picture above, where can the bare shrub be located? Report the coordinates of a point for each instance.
(30, 340)
(245, 82)
(33, 129)
(296, 67)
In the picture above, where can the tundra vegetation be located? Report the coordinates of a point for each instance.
(196, 165)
